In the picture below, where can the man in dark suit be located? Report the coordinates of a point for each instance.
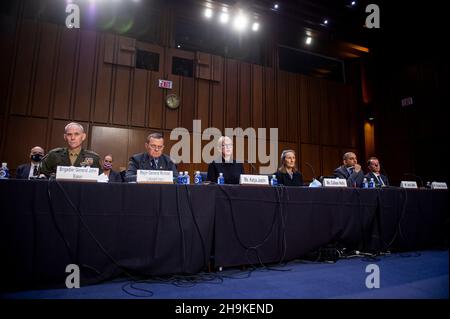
(374, 172)
(350, 170)
(32, 169)
(153, 159)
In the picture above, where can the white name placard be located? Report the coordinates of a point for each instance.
(154, 176)
(254, 180)
(408, 184)
(438, 185)
(334, 182)
(77, 173)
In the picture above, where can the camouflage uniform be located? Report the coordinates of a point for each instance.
(60, 157)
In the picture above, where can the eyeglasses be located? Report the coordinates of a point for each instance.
(227, 145)
(156, 147)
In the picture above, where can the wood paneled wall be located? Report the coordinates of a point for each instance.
(51, 75)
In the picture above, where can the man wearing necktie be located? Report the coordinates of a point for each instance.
(373, 164)
(152, 159)
(31, 170)
(350, 170)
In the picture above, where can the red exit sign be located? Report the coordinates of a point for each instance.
(165, 84)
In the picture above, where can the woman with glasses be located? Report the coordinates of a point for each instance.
(152, 159)
(225, 164)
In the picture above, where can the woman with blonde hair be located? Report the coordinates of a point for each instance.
(230, 169)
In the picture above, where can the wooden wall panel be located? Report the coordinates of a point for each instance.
(257, 96)
(323, 101)
(24, 133)
(111, 140)
(103, 84)
(187, 103)
(44, 70)
(282, 99)
(305, 118)
(6, 60)
(310, 154)
(217, 118)
(85, 86)
(331, 159)
(271, 118)
(65, 72)
(203, 100)
(22, 82)
(139, 102)
(156, 101)
(315, 120)
(245, 110)
(354, 116)
(292, 113)
(121, 95)
(231, 93)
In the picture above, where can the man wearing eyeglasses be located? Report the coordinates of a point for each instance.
(153, 159)
(374, 172)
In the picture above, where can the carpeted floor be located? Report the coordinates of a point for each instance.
(421, 275)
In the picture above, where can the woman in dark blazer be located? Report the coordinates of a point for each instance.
(287, 173)
(113, 176)
(230, 169)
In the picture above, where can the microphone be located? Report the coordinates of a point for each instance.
(253, 166)
(415, 176)
(312, 169)
(314, 182)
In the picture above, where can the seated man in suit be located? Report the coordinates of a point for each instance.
(107, 173)
(350, 170)
(73, 154)
(374, 172)
(32, 169)
(152, 159)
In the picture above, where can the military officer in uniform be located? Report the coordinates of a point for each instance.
(73, 154)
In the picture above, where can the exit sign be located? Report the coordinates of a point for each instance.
(165, 84)
(407, 101)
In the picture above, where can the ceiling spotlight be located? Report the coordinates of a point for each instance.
(179, 46)
(325, 21)
(224, 17)
(240, 22)
(255, 26)
(208, 13)
(353, 3)
(275, 6)
(308, 40)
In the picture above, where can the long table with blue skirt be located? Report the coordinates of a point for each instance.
(151, 230)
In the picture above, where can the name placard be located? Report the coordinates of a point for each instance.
(154, 176)
(77, 173)
(334, 182)
(408, 184)
(254, 180)
(438, 185)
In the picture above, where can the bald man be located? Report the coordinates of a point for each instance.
(350, 170)
(32, 169)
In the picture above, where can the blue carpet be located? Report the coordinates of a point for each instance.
(421, 275)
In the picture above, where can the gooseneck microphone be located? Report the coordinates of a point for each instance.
(415, 176)
(312, 169)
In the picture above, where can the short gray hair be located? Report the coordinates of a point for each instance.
(156, 135)
(74, 124)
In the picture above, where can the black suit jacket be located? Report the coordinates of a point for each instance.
(285, 179)
(115, 177)
(377, 183)
(354, 178)
(231, 171)
(143, 161)
(23, 171)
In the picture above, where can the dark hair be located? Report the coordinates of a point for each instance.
(157, 136)
(370, 159)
